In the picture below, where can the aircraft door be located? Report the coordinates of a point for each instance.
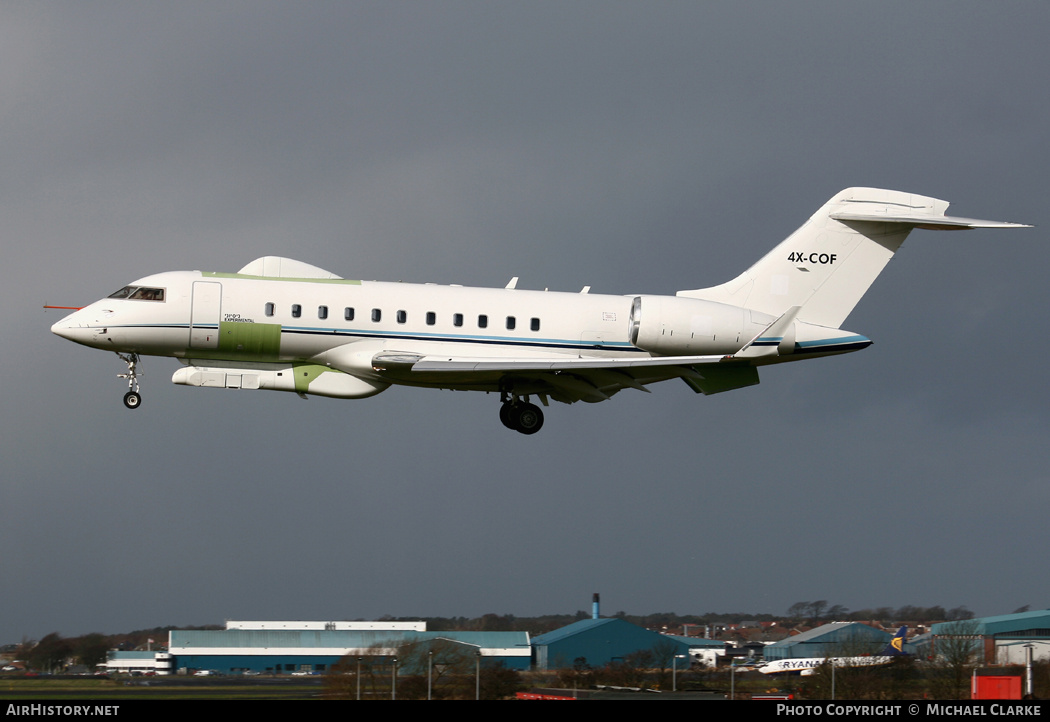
(204, 314)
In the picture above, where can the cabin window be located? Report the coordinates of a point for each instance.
(270, 308)
(535, 324)
(457, 319)
(402, 316)
(511, 323)
(148, 294)
(483, 321)
(297, 310)
(348, 313)
(431, 318)
(377, 315)
(322, 312)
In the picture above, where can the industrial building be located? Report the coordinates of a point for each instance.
(315, 647)
(1000, 639)
(600, 641)
(290, 647)
(837, 639)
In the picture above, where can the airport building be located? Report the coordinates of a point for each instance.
(599, 641)
(837, 639)
(313, 647)
(138, 662)
(997, 640)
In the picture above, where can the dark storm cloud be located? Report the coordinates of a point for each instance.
(635, 147)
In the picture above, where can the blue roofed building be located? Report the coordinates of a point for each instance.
(1000, 639)
(836, 639)
(287, 650)
(600, 641)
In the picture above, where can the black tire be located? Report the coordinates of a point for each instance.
(507, 416)
(528, 418)
(132, 399)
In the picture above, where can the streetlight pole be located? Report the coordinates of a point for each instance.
(1029, 687)
(674, 671)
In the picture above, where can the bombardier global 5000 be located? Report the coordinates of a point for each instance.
(285, 325)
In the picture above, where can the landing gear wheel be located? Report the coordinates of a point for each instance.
(506, 416)
(132, 399)
(528, 419)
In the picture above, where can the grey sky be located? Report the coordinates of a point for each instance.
(630, 146)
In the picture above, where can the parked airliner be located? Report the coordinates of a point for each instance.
(809, 665)
(289, 326)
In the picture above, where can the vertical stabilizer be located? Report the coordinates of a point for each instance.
(827, 265)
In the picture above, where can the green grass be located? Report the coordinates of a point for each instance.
(139, 688)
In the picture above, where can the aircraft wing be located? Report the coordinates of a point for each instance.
(565, 378)
(452, 363)
(571, 378)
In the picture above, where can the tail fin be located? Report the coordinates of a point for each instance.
(828, 264)
(896, 646)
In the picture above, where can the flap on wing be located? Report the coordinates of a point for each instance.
(724, 377)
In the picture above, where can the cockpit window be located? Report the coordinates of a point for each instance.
(140, 293)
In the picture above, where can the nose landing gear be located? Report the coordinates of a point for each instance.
(132, 399)
(521, 416)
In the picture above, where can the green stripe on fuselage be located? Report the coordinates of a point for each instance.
(249, 341)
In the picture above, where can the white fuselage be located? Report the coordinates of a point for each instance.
(256, 323)
(807, 666)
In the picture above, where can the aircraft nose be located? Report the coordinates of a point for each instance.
(73, 328)
(65, 328)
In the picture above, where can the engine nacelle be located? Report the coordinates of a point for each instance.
(677, 326)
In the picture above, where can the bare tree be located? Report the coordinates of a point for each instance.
(957, 646)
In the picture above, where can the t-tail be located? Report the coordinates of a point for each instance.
(827, 265)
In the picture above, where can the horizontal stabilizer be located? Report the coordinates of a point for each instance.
(929, 222)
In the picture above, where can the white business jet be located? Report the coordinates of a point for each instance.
(285, 325)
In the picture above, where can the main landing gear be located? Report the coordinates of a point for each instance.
(132, 399)
(520, 415)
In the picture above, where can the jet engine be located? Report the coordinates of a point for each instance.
(677, 326)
